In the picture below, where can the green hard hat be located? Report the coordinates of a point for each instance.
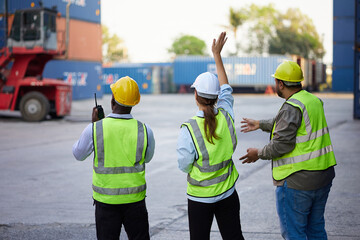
(289, 71)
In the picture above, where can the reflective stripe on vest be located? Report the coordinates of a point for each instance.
(103, 173)
(119, 191)
(310, 134)
(115, 170)
(200, 140)
(206, 167)
(313, 149)
(301, 139)
(304, 157)
(219, 179)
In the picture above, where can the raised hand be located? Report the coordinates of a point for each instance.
(219, 43)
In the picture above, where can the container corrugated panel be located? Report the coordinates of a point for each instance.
(344, 8)
(343, 55)
(241, 71)
(344, 30)
(84, 76)
(343, 47)
(85, 41)
(2, 6)
(143, 75)
(86, 10)
(343, 80)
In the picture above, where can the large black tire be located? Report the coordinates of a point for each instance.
(34, 106)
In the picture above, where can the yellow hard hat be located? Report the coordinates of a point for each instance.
(289, 71)
(126, 92)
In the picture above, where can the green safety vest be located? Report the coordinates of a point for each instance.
(119, 155)
(214, 172)
(313, 149)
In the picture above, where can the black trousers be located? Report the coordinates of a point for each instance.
(133, 216)
(227, 214)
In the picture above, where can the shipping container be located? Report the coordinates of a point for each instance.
(343, 30)
(241, 71)
(344, 8)
(84, 76)
(357, 64)
(85, 10)
(141, 74)
(85, 40)
(3, 26)
(150, 77)
(320, 73)
(2, 31)
(343, 46)
(343, 79)
(343, 55)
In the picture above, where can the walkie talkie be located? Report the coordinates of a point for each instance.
(99, 108)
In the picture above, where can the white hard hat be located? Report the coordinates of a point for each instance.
(207, 85)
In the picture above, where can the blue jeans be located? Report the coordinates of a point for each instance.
(301, 213)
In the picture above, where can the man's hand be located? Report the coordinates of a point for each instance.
(95, 117)
(250, 125)
(251, 156)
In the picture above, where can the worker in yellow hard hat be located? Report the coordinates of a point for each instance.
(302, 156)
(122, 145)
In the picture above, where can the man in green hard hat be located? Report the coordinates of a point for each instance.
(302, 156)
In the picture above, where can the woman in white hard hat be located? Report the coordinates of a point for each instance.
(205, 147)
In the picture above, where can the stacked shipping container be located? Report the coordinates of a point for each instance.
(343, 48)
(82, 67)
(3, 24)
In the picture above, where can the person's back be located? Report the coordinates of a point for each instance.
(302, 156)
(122, 145)
(205, 147)
(119, 162)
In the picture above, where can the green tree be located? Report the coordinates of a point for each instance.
(273, 32)
(236, 19)
(114, 49)
(299, 37)
(262, 23)
(188, 45)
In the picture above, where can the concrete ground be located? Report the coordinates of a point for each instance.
(46, 193)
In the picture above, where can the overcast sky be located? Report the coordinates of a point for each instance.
(149, 27)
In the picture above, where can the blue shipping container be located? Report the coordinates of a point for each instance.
(343, 55)
(141, 73)
(2, 31)
(241, 71)
(84, 76)
(344, 8)
(2, 6)
(85, 10)
(344, 30)
(343, 80)
(343, 48)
